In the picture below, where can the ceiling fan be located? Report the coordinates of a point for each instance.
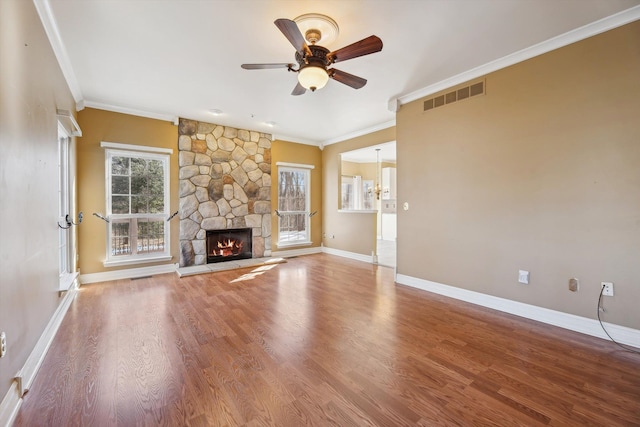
(313, 60)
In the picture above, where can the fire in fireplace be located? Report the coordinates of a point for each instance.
(227, 245)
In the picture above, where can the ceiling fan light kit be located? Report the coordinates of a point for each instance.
(314, 60)
(313, 77)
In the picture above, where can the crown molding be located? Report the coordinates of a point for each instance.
(605, 24)
(297, 140)
(51, 28)
(131, 111)
(364, 131)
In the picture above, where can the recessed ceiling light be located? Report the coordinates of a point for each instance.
(270, 124)
(215, 112)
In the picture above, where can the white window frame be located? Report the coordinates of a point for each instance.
(306, 169)
(66, 275)
(136, 151)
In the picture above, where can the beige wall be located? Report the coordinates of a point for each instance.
(353, 232)
(98, 126)
(542, 174)
(32, 87)
(283, 151)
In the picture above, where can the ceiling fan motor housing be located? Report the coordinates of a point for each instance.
(318, 57)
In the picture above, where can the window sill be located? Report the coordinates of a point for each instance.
(290, 245)
(357, 211)
(141, 260)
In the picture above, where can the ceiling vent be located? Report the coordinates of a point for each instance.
(470, 91)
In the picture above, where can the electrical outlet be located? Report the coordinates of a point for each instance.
(607, 289)
(3, 344)
(574, 284)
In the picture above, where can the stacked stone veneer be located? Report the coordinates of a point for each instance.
(225, 182)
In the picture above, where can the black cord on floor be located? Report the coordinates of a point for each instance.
(605, 331)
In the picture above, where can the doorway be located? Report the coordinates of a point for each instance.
(370, 174)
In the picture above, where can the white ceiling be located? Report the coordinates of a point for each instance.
(181, 58)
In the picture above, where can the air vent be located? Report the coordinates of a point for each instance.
(470, 91)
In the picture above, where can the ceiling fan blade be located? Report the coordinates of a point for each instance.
(265, 66)
(298, 90)
(291, 31)
(366, 46)
(346, 78)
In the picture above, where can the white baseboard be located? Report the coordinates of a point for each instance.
(346, 254)
(296, 252)
(127, 273)
(584, 325)
(10, 405)
(23, 379)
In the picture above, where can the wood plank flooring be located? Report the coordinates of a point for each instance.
(320, 340)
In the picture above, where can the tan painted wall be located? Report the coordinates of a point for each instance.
(32, 87)
(284, 151)
(353, 232)
(366, 170)
(542, 174)
(98, 126)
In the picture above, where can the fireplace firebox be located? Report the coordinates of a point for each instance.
(228, 245)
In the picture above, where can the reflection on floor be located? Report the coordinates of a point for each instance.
(387, 253)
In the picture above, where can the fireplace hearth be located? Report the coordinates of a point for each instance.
(229, 244)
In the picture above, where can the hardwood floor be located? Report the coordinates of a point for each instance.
(319, 340)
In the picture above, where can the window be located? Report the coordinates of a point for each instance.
(294, 192)
(356, 193)
(137, 206)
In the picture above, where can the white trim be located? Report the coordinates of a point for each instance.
(140, 260)
(295, 140)
(297, 252)
(67, 280)
(360, 132)
(74, 129)
(367, 211)
(295, 165)
(133, 147)
(33, 362)
(584, 325)
(129, 273)
(294, 244)
(23, 379)
(130, 111)
(581, 33)
(53, 34)
(10, 405)
(346, 254)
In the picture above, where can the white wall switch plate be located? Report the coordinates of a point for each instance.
(523, 277)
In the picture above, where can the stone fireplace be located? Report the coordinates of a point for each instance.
(225, 184)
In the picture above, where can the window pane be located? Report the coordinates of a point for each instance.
(292, 191)
(138, 166)
(156, 205)
(293, 228)
(120, 240)
(139, 204)
(120, 204)
(138, 185)
(156, 184)
(120, 166)
(150, 236)
(119, 185)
